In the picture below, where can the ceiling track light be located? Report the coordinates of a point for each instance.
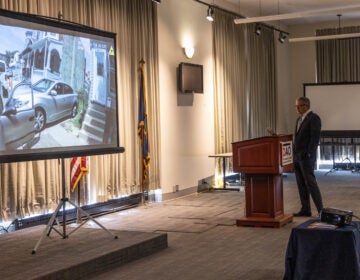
(282, 37)
(258, 29)
(211, 9)
(282, 34)
(210, 14)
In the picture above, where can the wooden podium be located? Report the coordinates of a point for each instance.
(263, 160)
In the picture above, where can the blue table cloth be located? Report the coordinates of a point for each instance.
(323, 253)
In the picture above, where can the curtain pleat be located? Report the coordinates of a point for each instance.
(229, 81)
(338, 60)
(28, 188)
(262, 91)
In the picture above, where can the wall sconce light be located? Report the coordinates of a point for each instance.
(189, 51)
(210, 14)
(282, 37)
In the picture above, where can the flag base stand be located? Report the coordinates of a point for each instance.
(51, 224)
(143, 199)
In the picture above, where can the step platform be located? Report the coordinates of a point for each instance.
(88, 251)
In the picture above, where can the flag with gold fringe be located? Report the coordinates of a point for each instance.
(78, 168)
(142, 125)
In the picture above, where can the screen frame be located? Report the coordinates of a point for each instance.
(65, 152)
(335, 103)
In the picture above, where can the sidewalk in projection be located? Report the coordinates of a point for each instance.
(61, 134)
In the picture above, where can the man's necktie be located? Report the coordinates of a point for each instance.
(298, 124)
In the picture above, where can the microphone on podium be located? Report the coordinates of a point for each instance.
(271, 131)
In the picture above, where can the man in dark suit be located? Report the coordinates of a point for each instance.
(306, 140)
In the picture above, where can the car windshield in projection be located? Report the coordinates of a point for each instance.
(58, 93)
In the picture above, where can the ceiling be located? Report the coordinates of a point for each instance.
(251, 8)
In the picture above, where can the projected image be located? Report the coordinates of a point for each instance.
(57, 89)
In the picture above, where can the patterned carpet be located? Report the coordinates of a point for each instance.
(205, 243)
(203, 239)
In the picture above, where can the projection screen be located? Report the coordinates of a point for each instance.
(58, 93)
(336, 104)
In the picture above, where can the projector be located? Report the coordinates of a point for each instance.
(336, 217)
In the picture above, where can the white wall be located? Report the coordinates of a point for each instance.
(187, 121)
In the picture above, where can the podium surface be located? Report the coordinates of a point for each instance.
(263, 160)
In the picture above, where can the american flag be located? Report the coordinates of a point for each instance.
(78, 168)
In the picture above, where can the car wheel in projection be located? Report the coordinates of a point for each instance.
(73, 111)
(40, 119)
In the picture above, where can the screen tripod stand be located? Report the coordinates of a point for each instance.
(62, 204)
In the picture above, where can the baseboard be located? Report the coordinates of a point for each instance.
(168, 196)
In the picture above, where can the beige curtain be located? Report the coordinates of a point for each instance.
(229, 52)
(28, 188)
(338, 60)
(244, 82)
(261, 96)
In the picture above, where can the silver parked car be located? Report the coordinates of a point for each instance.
(53, 101)
(16, 117)
(28, 108)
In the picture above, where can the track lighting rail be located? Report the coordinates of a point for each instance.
(212, 7)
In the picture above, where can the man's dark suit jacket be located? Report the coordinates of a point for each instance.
(307, 137)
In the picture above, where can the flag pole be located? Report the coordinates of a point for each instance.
(142, 186)
(141, 130)
(78, 214)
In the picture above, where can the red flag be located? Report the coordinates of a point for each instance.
(78, 167)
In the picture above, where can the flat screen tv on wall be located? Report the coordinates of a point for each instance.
(190, 78)
(58, 89)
